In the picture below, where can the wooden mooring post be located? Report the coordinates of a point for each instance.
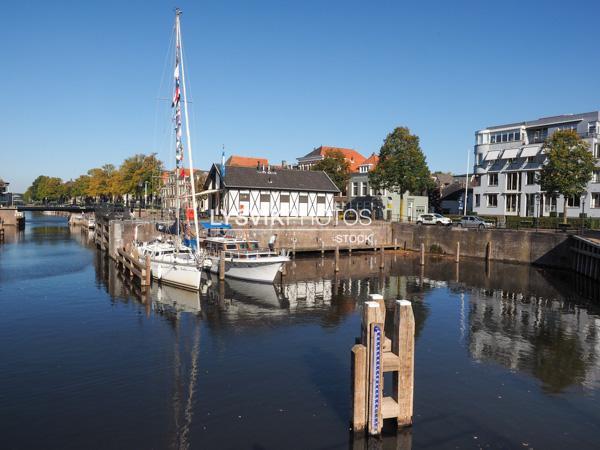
(222, 265)
(457, 255)
(422, 261)
(337, 259)
(488, 251)
(374, 355)
(382, 258)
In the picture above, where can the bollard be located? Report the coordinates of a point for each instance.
(337, 259)
(422, 254)
(382, 259)
(457, 256)
(403, 345)
(222, 265)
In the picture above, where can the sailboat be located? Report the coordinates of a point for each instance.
(171, 262)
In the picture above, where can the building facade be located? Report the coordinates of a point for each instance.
(176, 187)
(382, 204)
(269, 192)
(5, 195)
(508, 159)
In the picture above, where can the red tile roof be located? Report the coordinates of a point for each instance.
(246, 161)
(354, 158)
(372, 160)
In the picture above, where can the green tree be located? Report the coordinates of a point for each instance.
(45, 188)
(402, 165)
(568, 167)
(80, 186)
(138, 170)
(337, 167)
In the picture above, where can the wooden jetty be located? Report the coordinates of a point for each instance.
(375, 354)
(129, 263)
(586, 256)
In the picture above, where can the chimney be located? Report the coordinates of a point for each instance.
(284, 164)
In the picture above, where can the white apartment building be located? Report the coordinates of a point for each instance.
(509, 157)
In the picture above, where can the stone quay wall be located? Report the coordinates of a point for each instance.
(544, 248)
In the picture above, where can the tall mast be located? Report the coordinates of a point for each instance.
(187, 128)
(177, 119)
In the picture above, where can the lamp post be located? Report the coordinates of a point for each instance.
(583, 197)
(145, 194)
(538, 199)
(139, 196)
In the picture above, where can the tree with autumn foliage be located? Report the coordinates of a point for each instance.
(336, 166)
(568, 167)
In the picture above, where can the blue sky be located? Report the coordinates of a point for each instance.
(81, 82)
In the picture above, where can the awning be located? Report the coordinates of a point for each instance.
(492, 155)
(215, 225)
(510, 153)
(529, 151)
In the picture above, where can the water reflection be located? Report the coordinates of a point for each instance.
(556, 341)
(166, 368)
(512, 315)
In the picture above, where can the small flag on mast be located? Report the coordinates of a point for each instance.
(223, 163)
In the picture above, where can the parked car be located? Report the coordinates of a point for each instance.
(433, 219)
(474, 222)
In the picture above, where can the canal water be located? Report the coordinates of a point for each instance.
(507, 356)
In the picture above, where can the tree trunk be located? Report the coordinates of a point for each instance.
(564, 209)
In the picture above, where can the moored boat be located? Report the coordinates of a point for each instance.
(244, 259)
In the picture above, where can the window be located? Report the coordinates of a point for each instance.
(244, 197)
(492, 179)
(596, 150)
(285, 198)
(512, 202)
(321, 199)
(265, 198)
(479, 158)
(492, 200)
(477, 200)
(530, 178)
(592, 128)
(574, 201)
(530, 160)
(355, 189)
(596, 176)
(303, 198)
(549, 203)
(512, 181)
(595, 200)
(505, 136)
(365, 188)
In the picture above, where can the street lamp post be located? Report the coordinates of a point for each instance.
(583, 197)
(139, 196)
(145, 194)
(538, 198)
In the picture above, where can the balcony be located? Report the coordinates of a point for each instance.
(542, 139)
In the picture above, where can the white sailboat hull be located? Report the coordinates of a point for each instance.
(263, 270)
(179, 275)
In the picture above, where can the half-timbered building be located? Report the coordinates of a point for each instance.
(268, 192)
